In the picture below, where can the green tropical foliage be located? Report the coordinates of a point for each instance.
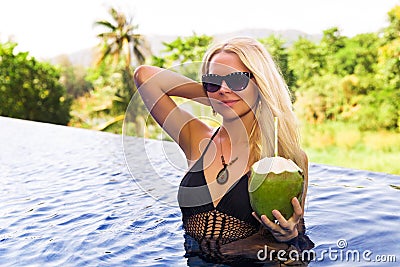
(190, 49)
(347, 79)
(30, 89)
(73, 78)
(276, 46)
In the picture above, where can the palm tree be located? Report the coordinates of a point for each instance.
(121, 44)
(118, 39)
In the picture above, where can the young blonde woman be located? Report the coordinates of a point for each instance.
(241, 82)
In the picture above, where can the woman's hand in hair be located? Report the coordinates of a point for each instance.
(283, 230)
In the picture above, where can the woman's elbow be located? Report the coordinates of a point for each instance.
(139, 76)
(143, 73)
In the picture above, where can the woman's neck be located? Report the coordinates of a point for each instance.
(238, 130)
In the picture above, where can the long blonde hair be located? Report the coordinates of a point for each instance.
(274, 99)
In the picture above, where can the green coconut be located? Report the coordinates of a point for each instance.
(274, 182)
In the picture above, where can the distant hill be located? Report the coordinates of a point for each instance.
(289, 35)
(85, 57)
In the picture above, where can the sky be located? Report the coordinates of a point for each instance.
(47, 28)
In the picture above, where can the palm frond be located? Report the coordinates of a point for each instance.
(110, 122)
(106, 24)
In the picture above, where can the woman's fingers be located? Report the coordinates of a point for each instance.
(283, 223)
(266, 222)
(284, 229)
(292, 221)
(257, 218)
(297, 210)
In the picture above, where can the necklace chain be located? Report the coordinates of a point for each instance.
(223, 174)
(222, 153)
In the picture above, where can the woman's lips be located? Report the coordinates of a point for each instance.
(229, 103)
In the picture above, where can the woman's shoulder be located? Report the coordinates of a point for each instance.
(301, 159)
(303, 156)
(199, 134)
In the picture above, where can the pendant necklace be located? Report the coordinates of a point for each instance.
(223, 174)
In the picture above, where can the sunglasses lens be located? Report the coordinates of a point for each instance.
(237, 81)
(212, 83)
(211, 87)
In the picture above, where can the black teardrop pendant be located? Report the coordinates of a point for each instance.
(223, 175)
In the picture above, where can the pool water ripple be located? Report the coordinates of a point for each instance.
(67, 198)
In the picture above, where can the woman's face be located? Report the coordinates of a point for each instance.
(231, 104)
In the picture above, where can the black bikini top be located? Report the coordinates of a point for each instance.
(198, 208)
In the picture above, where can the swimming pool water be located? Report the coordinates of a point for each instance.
(67, 198)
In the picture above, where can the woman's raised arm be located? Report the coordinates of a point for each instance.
(156, 86)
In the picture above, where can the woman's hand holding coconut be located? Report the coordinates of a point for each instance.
(284, 230)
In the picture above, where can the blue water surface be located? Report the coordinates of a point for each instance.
(69, 198)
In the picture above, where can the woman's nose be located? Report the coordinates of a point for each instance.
(224, 88)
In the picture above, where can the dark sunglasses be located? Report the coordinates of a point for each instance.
(236, 81)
